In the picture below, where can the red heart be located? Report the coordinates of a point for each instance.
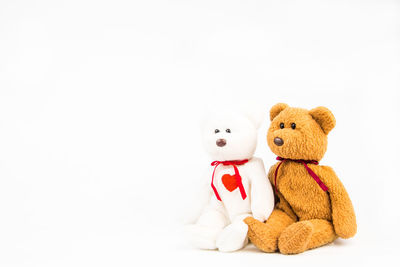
(229, 182)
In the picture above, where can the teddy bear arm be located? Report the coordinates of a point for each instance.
(283, 205)
(262, 196)
(271, 174)
(343, 215)
(281, 202)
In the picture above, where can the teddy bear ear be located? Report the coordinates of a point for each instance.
(276, 109)
(256, 117)
(324, 118)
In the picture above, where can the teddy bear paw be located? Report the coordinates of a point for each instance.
(233, 237)
(261, 235)
(295, 238)
(202, 237)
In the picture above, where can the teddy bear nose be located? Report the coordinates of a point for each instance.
(221, 142)
(278, 141)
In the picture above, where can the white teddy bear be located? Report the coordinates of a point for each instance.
(235, 185)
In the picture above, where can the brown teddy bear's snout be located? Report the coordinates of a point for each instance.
(278, 141)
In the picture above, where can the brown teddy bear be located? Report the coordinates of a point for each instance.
(312, 206)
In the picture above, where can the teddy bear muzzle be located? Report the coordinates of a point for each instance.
(221, 142)
(278, 141)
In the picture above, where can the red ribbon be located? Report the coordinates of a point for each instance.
(304, 162)
(237, 175)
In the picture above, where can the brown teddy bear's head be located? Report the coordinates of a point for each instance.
(297, 133)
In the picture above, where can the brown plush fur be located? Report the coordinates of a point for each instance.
(305, 216)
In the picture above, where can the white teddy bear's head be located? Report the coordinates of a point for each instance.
(230, 135)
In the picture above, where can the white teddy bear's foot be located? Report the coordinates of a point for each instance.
(202, 237)
(233, 237)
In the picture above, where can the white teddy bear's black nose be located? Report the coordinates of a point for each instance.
(221, 142)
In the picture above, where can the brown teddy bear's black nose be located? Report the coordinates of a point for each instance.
(278, 141)
(221, 142)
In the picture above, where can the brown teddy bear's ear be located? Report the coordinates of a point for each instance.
(276, 109)
(324, 118)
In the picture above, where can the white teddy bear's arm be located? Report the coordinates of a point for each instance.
(200, 201)
(262, 196)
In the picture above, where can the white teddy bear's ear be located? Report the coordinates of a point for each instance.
(255, 118)
(255, 114)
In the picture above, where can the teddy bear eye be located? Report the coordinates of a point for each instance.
(216, 131)
(293, 125)
(282, 125)
(228, 130)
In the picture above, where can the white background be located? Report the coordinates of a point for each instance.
(101, 102)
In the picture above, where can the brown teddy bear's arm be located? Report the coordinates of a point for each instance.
(280, 202)
(343, 216)
(271, 173)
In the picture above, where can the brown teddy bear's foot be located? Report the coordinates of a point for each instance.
(295, 238)
(265, 235)
(323, 233)
(260, 234)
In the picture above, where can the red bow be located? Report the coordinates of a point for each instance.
(237, 175)
(304, 162)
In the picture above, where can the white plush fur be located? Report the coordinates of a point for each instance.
(215, 224)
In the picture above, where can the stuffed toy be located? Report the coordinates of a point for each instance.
(235, 185)
(312, 206)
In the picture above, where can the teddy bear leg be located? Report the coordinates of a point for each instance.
(323, 233)
(265, 235)
(305, 235)
(203, 234)
(234, 236)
